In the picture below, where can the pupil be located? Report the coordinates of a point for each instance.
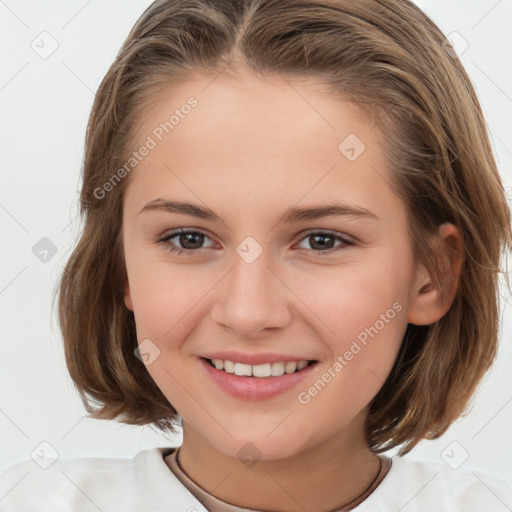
(322, 237)
(184, 241)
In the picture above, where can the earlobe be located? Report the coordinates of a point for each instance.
(127, 297)
(429, 303)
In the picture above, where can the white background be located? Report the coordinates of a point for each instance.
(45, 104)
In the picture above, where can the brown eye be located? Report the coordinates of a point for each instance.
(190, 241)
(322, 243)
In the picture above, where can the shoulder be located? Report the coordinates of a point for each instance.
(142, 483)
(417, 486)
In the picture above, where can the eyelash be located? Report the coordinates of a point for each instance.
(169, 246)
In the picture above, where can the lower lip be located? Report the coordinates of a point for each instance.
(255, 388)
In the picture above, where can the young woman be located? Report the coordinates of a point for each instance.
(293, 231)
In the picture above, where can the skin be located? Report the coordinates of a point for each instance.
(248, 151)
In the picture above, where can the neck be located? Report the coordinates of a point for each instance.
(335, 473)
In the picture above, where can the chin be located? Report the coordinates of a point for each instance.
(255, 442)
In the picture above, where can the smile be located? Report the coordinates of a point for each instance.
(256, 382)
(259, 370)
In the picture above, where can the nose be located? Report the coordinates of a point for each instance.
(252, 297)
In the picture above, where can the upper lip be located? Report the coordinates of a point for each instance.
(254, 358)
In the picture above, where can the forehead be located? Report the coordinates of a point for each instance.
(262, 109)
(260, 140)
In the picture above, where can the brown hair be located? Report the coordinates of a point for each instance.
(388, 57)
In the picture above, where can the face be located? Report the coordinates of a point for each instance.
(254, 284)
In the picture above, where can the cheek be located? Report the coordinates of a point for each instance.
(361, 312)
(349, 299)
(166, 297)
(369, 325)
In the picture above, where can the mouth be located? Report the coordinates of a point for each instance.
(257, 382)
(261, 371)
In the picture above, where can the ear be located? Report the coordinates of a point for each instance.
(127, 297)
(428, 303)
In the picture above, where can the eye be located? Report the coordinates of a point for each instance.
(323, 240)
(192, 241)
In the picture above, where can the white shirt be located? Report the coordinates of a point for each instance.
(146, 484)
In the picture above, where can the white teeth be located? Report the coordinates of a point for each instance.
(243, 369)
(290, 367)
(259, 370)
(229, 366)
(302, 364)
(262, 370)
(277, 369)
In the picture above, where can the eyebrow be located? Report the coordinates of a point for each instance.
(289, 216)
